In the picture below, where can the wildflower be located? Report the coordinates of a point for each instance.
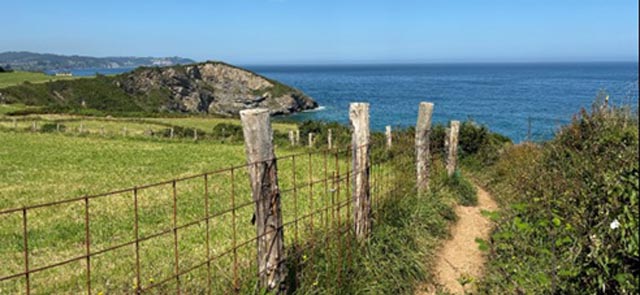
(614, 224)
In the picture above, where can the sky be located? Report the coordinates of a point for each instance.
(328, 31)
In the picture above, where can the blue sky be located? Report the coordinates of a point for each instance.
(328, 31)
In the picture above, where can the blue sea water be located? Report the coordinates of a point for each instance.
(501, 96)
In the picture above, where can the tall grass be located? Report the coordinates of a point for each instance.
(569, 219)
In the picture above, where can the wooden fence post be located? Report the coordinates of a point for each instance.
(263, 173)
(361, 138)
(171, 133)
(298, 136)
(81, 128)
(310, 139)
(195, 134)
(58, 127)
(34, 126)
(423, 142)
(292, 138)
(452, 148)
(330, 139)
(389, 138)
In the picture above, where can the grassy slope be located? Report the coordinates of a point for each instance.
(16, 78)
(39, 167)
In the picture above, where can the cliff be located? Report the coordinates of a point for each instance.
(210, 87)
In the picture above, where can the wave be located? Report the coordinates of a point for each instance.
(318, 109)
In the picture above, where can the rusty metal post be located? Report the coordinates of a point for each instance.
(423, 153)
(263, 173)
(361, 138)
(452, 149)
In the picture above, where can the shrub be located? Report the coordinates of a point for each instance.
(570, 210)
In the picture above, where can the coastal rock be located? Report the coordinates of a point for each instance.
(214, 87)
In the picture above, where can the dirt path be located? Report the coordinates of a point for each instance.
(460, 256)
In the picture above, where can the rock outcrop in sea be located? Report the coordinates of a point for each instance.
(218, 88)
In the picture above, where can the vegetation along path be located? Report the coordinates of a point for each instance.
(460, 261)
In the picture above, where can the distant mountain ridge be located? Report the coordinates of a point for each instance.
(40, 62)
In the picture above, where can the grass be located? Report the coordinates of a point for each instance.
(568, 222)
(46, 167)
(18, 77)
(37, 167)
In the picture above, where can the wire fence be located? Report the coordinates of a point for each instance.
(193, 234)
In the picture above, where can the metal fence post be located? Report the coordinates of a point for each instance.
(263, 173)
(423, 142)
(452, 147)
(359, 118)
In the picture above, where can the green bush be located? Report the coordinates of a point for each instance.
(570, 210)
(464, 190)
(52, 127)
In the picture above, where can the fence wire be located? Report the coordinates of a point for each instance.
(193, 234)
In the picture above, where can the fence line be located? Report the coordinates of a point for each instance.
(317, 205)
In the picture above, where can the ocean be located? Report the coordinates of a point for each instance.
(504, 97)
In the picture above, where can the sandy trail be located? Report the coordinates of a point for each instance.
(460, 256)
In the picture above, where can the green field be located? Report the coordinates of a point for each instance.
(15, 78)
(37, 167)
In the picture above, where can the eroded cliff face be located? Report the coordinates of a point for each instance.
(214, 87)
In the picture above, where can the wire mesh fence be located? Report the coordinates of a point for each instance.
(192, 234)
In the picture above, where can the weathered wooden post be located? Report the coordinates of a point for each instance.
(171, 133)
(452, 148)
(195, 134)
(58, 127)
(297, 136)
(34, 126)
(310, 135)
(263, 173)
(330, 139)
(389, 138)
(423, 142)
(81, 129)
(292, 138)
(361, 138)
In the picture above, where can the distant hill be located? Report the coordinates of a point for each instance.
(204, 88)
(38, 62)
